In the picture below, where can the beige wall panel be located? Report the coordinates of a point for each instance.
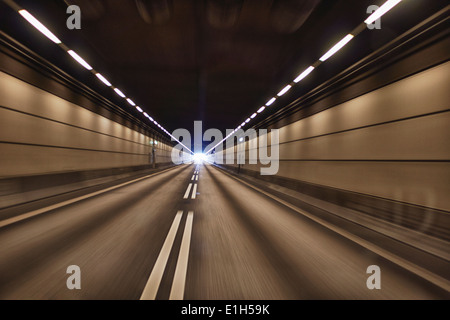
(18, 160)
(422, 93)
(420, 183)
(424, 138)
(19, 95)
(130, 147)
(22, 128)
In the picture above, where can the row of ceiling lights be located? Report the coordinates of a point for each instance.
(44, 30)
(388, 5)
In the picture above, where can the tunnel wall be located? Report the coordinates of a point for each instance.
(57, 135)
(51, 146)
(391, 143)
(42, 133)
(374, 139)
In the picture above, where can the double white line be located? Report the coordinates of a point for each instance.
(179, 279)
(188, 190)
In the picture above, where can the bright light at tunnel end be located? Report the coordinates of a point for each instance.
(199, 157)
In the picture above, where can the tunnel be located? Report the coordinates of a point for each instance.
(248, 150)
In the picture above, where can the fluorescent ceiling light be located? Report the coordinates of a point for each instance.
(139, 109)
(39, 26)
(79, 59)
(150, 118)
(103, 79)
(247, 121)
(146, 115)
(253, 115)
(338, 46)
(270, 102)
(261, 109)
(120, 93)
(242, 124)
(304, 74)
(388, 5)
(286, 89)
(131, 102)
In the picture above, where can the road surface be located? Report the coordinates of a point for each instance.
(190, 232)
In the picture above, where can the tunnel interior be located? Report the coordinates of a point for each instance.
(223, 136)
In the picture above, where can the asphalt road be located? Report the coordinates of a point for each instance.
(191, 232)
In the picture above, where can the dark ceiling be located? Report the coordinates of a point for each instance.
(211, 60)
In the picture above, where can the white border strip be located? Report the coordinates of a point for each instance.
(179, 279)
(33, 213)
(417, 270)
(152, 286)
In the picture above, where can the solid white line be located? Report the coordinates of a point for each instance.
(194, 191)
(186, 195)
(152, 286)
(33, 213)
(421, 272)
(179, 279)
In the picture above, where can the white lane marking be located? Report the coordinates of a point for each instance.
(152, 286)
(186, 194)
(179, 279)
(421, 272)
(196, 178)
(194, 191)
(193, 177)
(33, 213)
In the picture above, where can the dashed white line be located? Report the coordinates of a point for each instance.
(179, 280)
(194, 191)
(186, 194)
(193, 177)
(152, 286)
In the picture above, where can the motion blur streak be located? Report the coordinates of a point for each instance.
(244, 246)
(358, 141)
